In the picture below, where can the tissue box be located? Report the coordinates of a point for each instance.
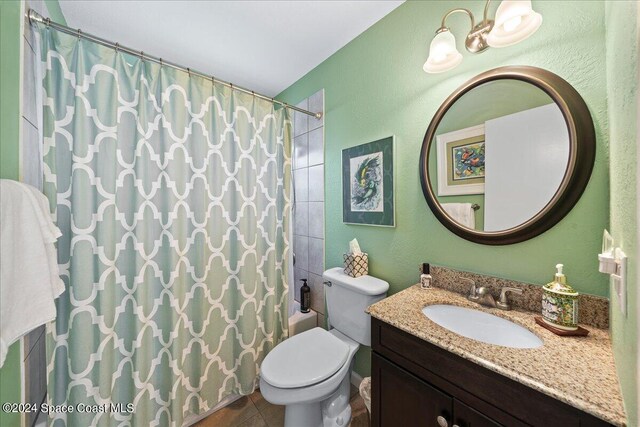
(356, 265)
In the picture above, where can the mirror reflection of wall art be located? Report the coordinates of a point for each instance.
(367, 184)
(461, 161)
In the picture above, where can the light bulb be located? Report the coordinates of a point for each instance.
(443, 55)
(512, 23)
(515, 21)
(438, 57)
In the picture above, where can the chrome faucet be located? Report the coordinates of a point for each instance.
(483, 296)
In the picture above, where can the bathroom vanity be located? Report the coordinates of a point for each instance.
(424, 374)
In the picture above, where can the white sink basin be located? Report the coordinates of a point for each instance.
(481, 326)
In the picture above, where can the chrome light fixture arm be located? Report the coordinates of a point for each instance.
(443, 25)
(476, 40)
(486, 11)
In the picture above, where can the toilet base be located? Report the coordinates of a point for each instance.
(312, 415)
(333, 411)
(303, 415)
(336, 411)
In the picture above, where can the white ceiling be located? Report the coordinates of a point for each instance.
(262, 45)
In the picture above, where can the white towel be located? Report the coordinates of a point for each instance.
(29, 280)
(462, 213)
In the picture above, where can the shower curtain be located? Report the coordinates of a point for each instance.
(173, 197)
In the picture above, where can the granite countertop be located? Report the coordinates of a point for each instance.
(579, 371)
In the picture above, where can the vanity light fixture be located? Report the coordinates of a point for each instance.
(514, 22)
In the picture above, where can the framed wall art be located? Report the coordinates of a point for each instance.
(368, 195)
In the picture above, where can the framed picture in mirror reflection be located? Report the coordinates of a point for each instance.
(461, 161)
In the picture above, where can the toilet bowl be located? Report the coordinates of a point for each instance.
(310, 372)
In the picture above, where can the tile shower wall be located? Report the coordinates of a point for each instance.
(308, 214)
(34, 357)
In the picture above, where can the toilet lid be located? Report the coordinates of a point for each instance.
(304, 359)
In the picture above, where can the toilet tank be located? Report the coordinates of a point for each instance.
(347, 299)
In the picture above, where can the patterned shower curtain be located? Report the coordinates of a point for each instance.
(173, 197)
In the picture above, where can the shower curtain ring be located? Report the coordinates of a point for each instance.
(48, 22)
(142, 55)
(79, 33)
(189, 71)
(160, 62)
(117, 46)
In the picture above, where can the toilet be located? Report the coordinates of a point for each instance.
(310, 372)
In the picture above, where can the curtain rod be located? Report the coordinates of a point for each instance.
(36, 17)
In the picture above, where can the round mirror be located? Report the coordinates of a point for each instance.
(507, 155)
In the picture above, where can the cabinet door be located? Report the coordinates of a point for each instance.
(464, 416)
(401, 399)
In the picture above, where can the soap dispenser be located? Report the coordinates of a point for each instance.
(560, 303)
(305, 297)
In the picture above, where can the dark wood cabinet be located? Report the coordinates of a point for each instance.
(415, 382)
(465, 416)
(411, 401)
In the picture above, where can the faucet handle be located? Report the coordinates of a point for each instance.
(473, 293)
(503, 302)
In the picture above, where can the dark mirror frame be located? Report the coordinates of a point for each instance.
(582, 152)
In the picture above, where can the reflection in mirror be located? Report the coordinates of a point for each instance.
(499, 155)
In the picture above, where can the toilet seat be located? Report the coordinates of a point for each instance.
(305, 359)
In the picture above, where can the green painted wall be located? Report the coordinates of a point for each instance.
(622, 34)
(11, 44)
(375, 87)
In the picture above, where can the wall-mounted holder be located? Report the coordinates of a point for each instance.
(613, 261)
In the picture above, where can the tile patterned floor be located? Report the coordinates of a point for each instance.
(254, 411)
